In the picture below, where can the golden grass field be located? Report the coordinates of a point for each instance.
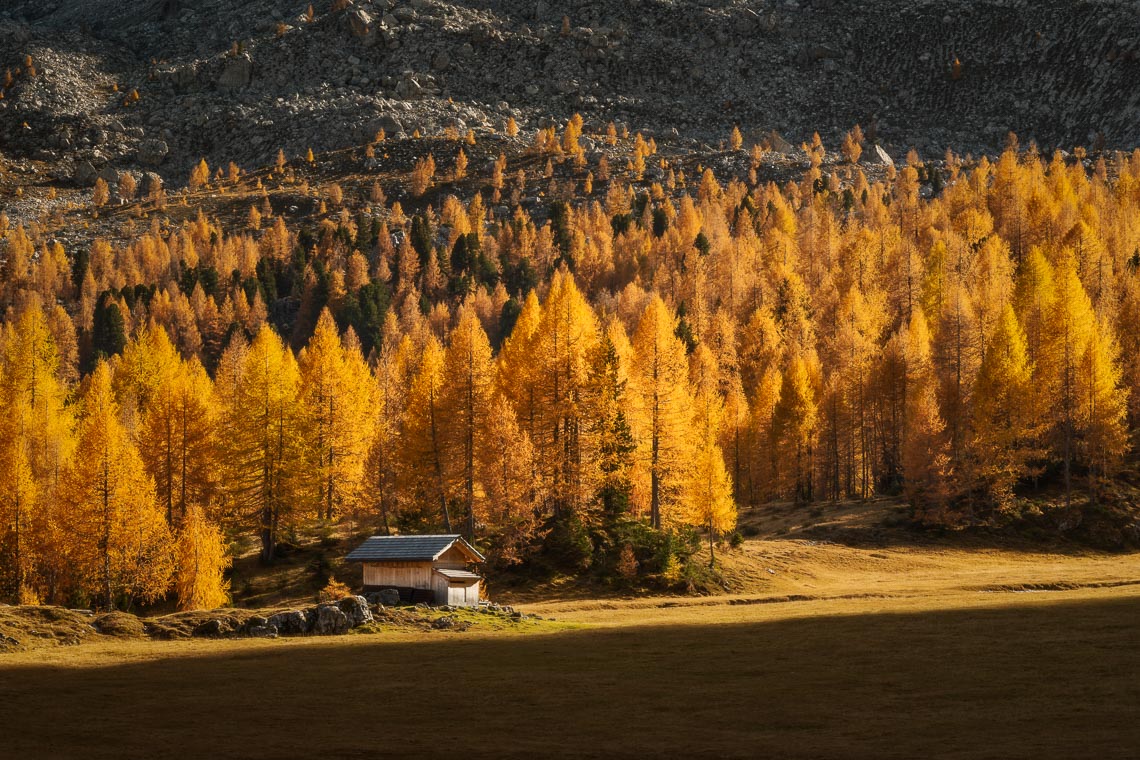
(925, 651)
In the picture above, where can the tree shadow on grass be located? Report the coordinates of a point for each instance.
(1048, 680)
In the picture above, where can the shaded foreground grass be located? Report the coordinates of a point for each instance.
(1042, 679)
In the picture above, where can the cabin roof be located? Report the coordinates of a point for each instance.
(410, 548)
(457, 575)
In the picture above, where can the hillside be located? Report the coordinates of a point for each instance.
(237, 81)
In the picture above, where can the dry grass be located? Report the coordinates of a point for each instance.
(1045, 675)
(824, 650)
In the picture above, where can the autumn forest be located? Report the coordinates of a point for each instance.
(605, 375)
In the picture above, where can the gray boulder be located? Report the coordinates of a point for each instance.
(211, 629)
(257, 620)
(355, 609)
(84, 174)
(110, 175)
(290, 623)
(359, 22)
(152, 152)
(389, 597)
(330, 620)
(262, 631)
(237, 73)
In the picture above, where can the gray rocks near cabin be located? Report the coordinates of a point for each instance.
(356, 611)
(259, 627)
(211, 629)
(323, 620)
(290, 623)
(330, 620)
(389, 597)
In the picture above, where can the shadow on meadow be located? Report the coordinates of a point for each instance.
(1051, 680)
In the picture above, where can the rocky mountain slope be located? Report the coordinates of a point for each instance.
(239, 80)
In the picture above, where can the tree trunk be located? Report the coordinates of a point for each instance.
(438, 466)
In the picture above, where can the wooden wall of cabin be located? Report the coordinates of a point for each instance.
(398, 574)
(452, 559)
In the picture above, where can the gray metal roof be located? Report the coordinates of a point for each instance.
(457, 575)
(411, 548)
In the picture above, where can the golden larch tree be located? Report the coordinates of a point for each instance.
(794, 426)
(337, 394)
(710, 502)
(925, 457)
(177, 440)
(468, 392)
(121, 546)
(1004, 431)
(200, 563)
(564, 340)
(422, 448)
(263, 436)
(660, 385)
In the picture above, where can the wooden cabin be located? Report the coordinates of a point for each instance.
(433, 569)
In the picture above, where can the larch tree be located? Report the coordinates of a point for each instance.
(200, 564)
(263, 436)
(469, 373)
(511, 494)
(1069, 328)
(177, 439)
(18, 505)
(517, 374)
(121, 545)
(37, 439)
(1034, 297)
(1104, 406)
(660, 384)
(391, 395)
(710, 502)
(148, 361)
(795, 420)
(423, 444)
(1004, 432)
(565, 339)
(31, 385)
(925, 458)
(337, 396)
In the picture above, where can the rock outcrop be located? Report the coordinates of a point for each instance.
(237, 81)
